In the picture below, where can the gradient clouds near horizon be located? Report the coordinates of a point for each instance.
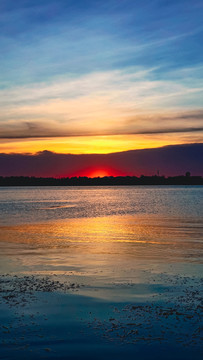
(100, 76)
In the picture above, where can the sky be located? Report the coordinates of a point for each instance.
(91, 76)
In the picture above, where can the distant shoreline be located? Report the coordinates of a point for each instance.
(101, 181)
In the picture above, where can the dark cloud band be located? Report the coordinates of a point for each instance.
(31, 135)
(170, 160)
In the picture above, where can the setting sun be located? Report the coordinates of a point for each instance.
(99, 173)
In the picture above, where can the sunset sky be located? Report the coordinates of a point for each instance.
(88, 76)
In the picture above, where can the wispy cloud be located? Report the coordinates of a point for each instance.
(41, 41)
(114, 102)
(26, 130)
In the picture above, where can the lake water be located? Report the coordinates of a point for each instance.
(44, 204)
(101, 272)
(86, 229)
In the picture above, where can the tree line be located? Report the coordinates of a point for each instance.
(101, 181)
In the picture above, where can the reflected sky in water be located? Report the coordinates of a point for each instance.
(92, 229)
(42, 204)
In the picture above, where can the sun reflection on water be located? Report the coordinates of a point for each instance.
(124, 235)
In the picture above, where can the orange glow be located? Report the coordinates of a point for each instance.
(99, 173)
(93, 144)
(102, 234)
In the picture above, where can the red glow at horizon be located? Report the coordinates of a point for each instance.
(95, 172)
(99, 173)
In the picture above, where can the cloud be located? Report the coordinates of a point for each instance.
(104, 103)
(170, 160)
(33, 131)
(42, 41)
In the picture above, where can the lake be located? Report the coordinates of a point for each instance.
(127, 248)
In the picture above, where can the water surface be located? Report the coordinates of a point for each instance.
(92, 229)
(129, 257)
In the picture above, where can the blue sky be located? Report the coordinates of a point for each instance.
(42, 39)
(149, 51)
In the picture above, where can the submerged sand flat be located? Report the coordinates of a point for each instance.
(50, 316)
